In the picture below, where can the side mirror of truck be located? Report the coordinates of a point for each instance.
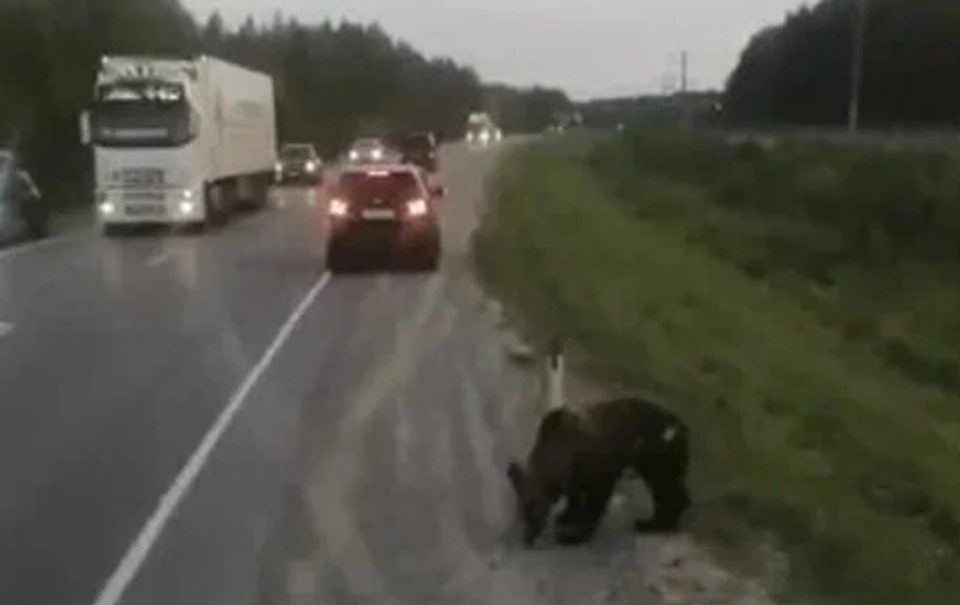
(86, 136)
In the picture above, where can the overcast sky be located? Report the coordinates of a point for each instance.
(590, 48)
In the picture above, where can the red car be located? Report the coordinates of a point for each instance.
(385, 212)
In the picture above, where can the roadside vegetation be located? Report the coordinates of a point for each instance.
(798, 305)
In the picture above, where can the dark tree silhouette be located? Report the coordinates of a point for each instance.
(800, 70)
(333, 81)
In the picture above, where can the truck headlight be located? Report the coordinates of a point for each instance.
(278, 167)
(186, 207)
(187, 194)
(107, 208)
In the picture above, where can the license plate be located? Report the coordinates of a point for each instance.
(146, 210)
(140, 196)
(379, 214)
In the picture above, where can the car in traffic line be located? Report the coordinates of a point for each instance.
(420, 149)
(298, 163)
(367, 150)
(386, 213)
(23, 211)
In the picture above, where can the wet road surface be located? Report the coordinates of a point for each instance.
(370, 419)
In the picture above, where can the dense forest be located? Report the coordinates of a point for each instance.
(333, 81)
(800, 71)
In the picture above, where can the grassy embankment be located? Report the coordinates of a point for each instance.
(799, 306)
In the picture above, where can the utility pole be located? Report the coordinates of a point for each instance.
(856, 69)
(683, 71)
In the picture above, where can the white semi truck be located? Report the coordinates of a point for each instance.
(179, 141)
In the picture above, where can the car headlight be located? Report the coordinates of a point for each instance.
(470, 137)
(354, 155)
(377, 154)
(107, 208)
(278, 167)
(186, 207)
(311, 166)
(485, 136)
(187, 194)
(338, 207)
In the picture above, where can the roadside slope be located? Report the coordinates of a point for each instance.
(795, 428)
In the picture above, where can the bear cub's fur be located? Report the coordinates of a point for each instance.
(580, 456)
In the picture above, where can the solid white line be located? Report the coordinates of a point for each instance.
(136, 554)
(44, 243)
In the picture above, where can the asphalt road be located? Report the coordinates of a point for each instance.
(213, 419)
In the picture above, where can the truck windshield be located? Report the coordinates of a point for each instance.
(293, 152)
(142, 114)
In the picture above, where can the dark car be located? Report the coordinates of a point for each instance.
(419, 148)
(23, 212)
(299, 163)
(384, 212)
(368, 150)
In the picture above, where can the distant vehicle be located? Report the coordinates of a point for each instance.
(179, 141)
(298, 162)
(481, 129)
(386, 210)
(420, 149)
(23, 211)
(367, 150)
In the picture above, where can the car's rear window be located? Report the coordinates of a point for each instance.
(389, 186)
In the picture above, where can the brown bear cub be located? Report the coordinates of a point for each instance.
(579, 457)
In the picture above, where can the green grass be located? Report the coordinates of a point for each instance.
(811, 414)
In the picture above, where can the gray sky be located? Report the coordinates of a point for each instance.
(589, 48)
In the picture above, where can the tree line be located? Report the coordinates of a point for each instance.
(333, 81)
(801, 70)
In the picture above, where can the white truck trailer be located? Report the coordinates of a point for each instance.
(179, 141)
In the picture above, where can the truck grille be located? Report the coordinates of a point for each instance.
(139, 177)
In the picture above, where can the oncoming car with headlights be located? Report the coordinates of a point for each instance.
(384, 212)
(298, 162)
(367, 150)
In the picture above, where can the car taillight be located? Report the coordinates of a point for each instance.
(416, 208)
(339, 207)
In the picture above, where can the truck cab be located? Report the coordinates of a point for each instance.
(178, 141)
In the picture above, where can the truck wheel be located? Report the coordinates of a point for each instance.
(37, 217)
(214, 205)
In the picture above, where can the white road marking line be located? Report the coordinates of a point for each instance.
(136, 554)
(5, 328)
(159, 259)
(36, 245)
